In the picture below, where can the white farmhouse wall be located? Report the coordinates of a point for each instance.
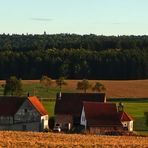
(128, 125)
(83, 118)
(44, 121)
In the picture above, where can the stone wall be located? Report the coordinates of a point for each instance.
(6, 120)
(27, 113)
(35, 126)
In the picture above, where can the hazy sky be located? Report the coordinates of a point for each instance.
(107, 17)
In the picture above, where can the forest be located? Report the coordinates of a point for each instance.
(74, 56)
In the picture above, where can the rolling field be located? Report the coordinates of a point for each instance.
(51, 140)
(115, 89)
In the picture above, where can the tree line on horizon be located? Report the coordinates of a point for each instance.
(74, 56)
(16, 42)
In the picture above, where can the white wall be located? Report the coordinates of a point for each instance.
(128, 124)
(44, 121)
(83, 118)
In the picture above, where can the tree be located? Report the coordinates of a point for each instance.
(83, 85)
(98, 87)
(45, 81)
(13, 86)
(60, 82)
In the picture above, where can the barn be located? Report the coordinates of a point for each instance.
(22, 114)
(69, 106)
(100, 118)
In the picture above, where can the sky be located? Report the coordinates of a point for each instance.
(100, 17)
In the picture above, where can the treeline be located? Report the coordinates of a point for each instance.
(70, 41)
(75, 64)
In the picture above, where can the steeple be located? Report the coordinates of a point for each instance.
(120, 107)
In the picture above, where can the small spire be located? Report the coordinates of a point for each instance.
(120, 107)
(60, 95)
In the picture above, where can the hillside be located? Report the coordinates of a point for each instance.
(30, 139)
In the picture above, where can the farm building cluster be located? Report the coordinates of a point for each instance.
(88, 110)
(91, 111)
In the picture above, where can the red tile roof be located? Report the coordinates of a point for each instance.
(38, 105)
(101, 114)
(72, 103)
(124, 117)
(9, 105)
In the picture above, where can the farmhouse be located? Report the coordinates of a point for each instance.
(126, 120)
(100, 118)
(69, 106)
(22, 114)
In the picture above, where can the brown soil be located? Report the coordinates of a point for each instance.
(130, 88)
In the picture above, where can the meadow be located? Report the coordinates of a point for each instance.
(133, 94)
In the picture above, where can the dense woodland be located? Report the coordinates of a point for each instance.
(74, 56)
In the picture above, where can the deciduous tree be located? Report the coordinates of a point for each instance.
(98, 87)
(83, 85)
(60, 82)
(13, 86)
(45, 81)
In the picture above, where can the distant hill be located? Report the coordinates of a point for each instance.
(74, 56)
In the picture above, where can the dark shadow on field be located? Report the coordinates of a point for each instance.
(135, 100)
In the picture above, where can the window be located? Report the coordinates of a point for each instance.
(25, 110)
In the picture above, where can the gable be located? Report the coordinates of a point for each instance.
(72, 103)
(124, 117)
(38, 105)
(27, 112)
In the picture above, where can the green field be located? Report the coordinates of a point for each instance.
(136, 108)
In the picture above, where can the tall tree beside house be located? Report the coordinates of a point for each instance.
(60, 82)
(83, 85)
(98, 87)
(13, 86)
(45, 81)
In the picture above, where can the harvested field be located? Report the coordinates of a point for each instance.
(32, 139)
(115, 89)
